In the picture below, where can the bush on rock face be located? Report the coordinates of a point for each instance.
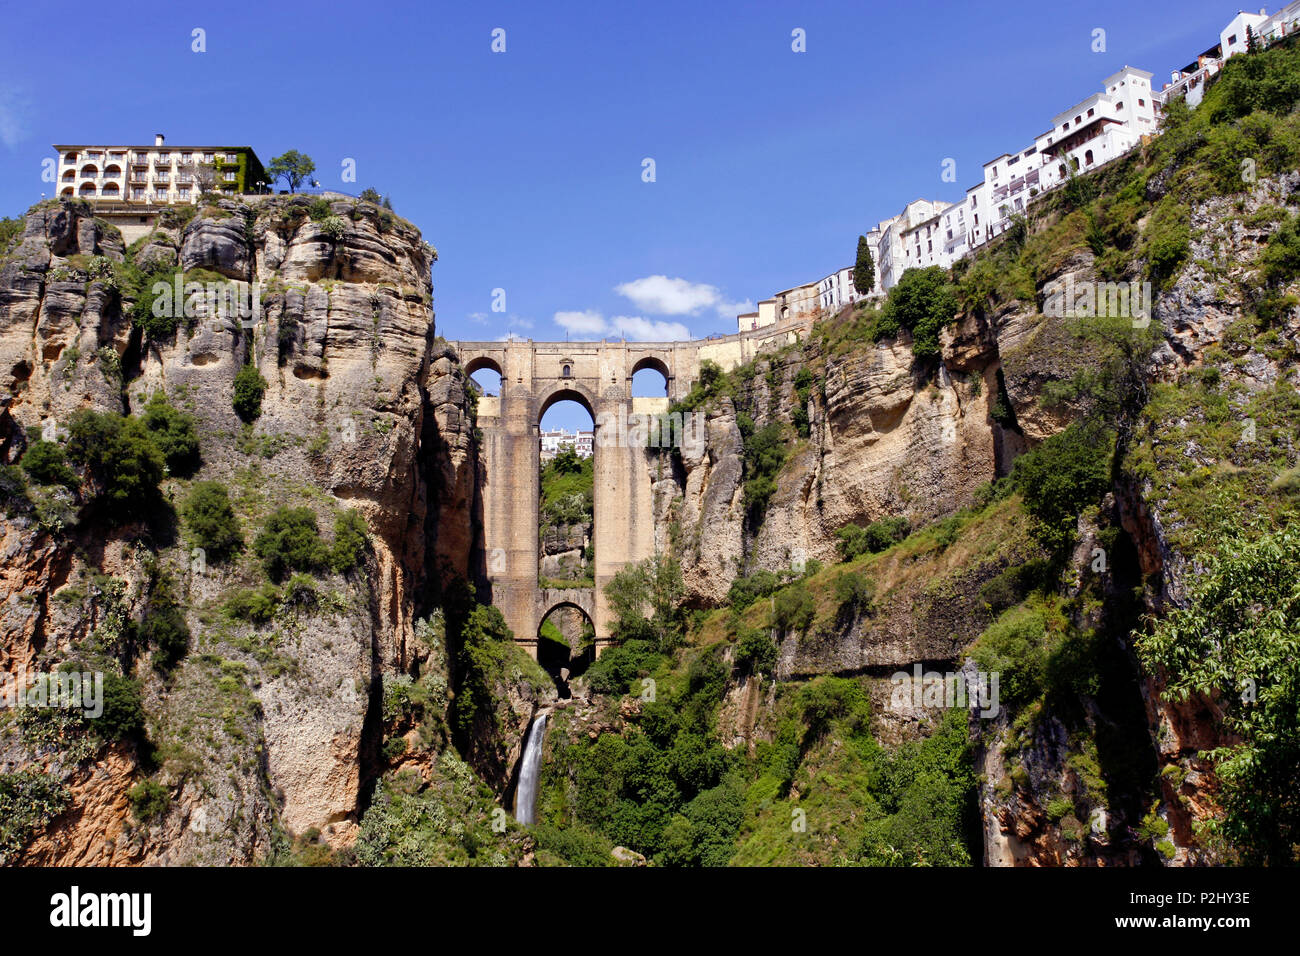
(211, 520)
(290, 541)
(249, 388)
(122, 459)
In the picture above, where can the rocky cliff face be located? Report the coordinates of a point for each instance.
(259, 728)
(887, 436)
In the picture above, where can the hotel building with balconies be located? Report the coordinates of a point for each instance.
(157, 175)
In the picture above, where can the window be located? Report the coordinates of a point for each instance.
(1090, 112)
(70, 158)
(1232, 39)
(137, 193)
(567, 372)
(207, 157)
(1142, 102)
(187, 157)
(230, 177)
(184, 192)
(1119, 106)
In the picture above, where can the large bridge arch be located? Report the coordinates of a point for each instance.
(566, 391)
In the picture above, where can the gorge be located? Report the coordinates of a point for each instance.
(304, 551)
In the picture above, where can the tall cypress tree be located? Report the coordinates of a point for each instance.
(864, 271)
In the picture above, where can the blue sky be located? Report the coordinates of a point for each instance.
(524, 168)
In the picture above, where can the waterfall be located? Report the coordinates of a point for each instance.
(530, 767)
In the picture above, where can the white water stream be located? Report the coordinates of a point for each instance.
(530, 769)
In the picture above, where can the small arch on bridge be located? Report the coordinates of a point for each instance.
(485, 372)
(650, 378)
(567, 647)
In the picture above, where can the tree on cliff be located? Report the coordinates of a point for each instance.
(293, 167)
(864, 271)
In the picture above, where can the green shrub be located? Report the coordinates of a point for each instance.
(922, 302)
(123, 714)
(764, 455)
(854, 540)
(248, 389)
(574, 846)
(615, 670)
(164, 629)
(854, 593)
(1237, 642)
(46, 464)
(826, 700)
(174, 432)
(156, 313)
(746, 590)
(10, 230)
(1280, 261)
(350, 541)
(29, 799)
(755, 651)
(211, 520)
(149, 800)
(794, 608)
(711, 383)
(300, 593)
(1167, 241)
(925, 791)
(122, 458)
(13, 490)
(1058, 479)
(290, 541)
(1015, 647)
(257, 605)
(1013, 584)
(653, 585)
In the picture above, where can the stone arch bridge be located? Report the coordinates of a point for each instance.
(598, 376)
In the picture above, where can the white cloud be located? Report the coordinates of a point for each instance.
(478, 318)
(667, 296)
(731, 309)
(592, 324)
(582, 323)
(644, 330)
